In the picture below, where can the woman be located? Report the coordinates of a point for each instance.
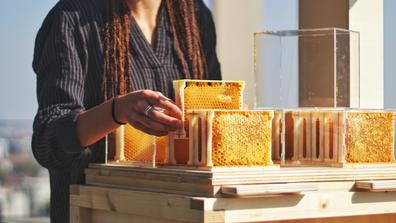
(103, 63)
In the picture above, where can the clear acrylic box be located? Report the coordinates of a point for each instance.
(307, 68)
(333, 137)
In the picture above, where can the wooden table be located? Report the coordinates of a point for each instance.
(124, 194)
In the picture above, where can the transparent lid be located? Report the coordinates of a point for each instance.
(307, 68)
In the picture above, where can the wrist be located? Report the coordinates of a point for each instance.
(116, 111)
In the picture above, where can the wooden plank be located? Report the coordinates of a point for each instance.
(155, 205)
(308, 205)
(101, 216)
(267, 189)
(193, 189)
(106, 204)
(220, 176)
(382, 218)
(377, 185)
(207, 182)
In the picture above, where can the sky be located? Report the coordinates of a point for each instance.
(21, 19)
(19, 23)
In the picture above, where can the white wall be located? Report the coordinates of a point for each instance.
(390, 53)
(236, 21)
(366, 16)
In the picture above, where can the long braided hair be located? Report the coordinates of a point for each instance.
(116, 45)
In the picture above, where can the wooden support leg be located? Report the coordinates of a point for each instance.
(341, 133)
(336, 127)
(296, 136)
(203, 139)
(195, 135)
(192, 151)
(326, 126)
(317, 134)
(209, 161)
(301, 135)
(170, 153)
(314, 136)
(275, 136)
(80, 215)
(308, 124)
(322, 137)
(179, 99)
(119, 144)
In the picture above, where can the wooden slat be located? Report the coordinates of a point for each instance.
(377, 185)
(154, 205)
(221, 176)
(105, 205)
(207, 182)
(318, 204)
(267, 189)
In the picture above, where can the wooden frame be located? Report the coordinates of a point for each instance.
(119, 193)
(207, 182)
(319, 136)
(201, 132)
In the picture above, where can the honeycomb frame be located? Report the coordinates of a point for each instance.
(218, 139)
(334, 137)
(226, 95)
(208, 94)
(133, 146)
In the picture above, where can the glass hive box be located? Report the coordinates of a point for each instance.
(333, 137)
(307, 68)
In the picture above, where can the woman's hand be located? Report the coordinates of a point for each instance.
(130, 108)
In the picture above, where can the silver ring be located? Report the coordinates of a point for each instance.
(147, 109)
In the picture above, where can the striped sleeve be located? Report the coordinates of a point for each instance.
(60, 90)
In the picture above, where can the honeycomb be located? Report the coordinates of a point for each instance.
(241, 138)
(139, 146)
(369, 137)
(211, 95)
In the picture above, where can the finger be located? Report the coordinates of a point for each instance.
(164, 98)
(157, 114)
(149, 123)
(144, 129)
(172, 109)
(158, 99)
(140, 105)
(165, 119)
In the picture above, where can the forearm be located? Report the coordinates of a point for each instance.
(95, 123)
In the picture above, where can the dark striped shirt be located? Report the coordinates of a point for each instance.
(68, 62)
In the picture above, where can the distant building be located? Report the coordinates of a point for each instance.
(4, 148)
(38, 190)
(14, 203)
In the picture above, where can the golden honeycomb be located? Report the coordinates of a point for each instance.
(369, 137)
(211, 94)
(139, 146)
(241, 138)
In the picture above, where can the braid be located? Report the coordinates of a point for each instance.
(117, 67)
(116, 49)
(186, 35)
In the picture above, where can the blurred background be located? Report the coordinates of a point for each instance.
(24, 185)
